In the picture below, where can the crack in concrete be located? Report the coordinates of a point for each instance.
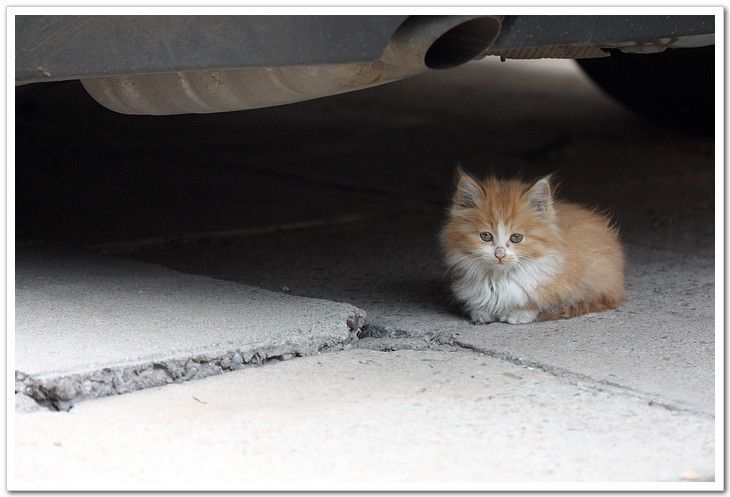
(128, 247)
(388, 339)
(348, 186)
(576, 377)
(61, 391)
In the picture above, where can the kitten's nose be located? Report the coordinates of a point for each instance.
(499, 253)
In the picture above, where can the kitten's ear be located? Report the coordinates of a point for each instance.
(540, 197)
(467, 190)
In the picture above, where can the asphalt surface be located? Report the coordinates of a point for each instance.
(341, 199)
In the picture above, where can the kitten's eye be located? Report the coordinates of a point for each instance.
(516, 238)
(486, 236)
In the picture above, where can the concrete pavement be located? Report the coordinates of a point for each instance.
(340, 200)
(660, 344)
(363, 419)
(90, 326)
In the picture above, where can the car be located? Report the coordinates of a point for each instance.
(660, 65)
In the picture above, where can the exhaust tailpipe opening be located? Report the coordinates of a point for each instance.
(461, 44)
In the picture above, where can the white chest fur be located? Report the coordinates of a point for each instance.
(491, 293)
(494, 293)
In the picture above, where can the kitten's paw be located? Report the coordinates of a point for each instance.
(521, 316)
(479, 317)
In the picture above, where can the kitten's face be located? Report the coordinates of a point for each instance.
(499, 223)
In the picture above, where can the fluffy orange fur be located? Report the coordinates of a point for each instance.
(518, 255)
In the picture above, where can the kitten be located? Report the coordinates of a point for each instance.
(517, 255)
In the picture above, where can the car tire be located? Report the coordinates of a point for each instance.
(675, 88)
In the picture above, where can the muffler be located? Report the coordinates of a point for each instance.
(421, 43)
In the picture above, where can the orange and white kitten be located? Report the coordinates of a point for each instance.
(517, 255)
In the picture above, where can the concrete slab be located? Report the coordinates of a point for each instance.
(341, 199)
(660, 344)
(90, 325)
(363, 419)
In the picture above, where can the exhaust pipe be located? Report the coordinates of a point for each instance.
(420, 44)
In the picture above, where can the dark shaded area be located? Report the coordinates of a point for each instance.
(676, 88)
(87, 175)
